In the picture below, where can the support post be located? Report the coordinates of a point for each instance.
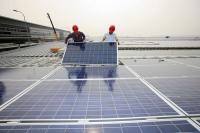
(52, 26)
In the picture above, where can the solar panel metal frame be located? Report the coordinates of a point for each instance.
(177, 124)
(86, 63)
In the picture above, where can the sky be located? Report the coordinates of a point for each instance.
(136, 18)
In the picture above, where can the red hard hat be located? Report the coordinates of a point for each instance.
(75, 28)
(112, 28)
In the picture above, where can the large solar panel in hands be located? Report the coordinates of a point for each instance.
(90, 53)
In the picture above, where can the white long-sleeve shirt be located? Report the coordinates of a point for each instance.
(110, 37)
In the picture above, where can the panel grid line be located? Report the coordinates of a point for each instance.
(6, 104)
(168, 101)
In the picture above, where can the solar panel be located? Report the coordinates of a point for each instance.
(24, 73)
(9, 89)
(139, 127)
(88, 99)
(35, 51)
(167, 70)
(92, 72)
(11, 61)
(190, 61)
(184, 92)
(90, 53)
(146, 62)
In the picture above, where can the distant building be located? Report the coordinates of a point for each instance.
(17, 31)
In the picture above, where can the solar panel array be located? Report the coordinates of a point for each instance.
(40, 50)
(88, 99)
(90, 53)
(182, 91)
(179, 82)
(33, 56)
(26, 73)
(134, 97)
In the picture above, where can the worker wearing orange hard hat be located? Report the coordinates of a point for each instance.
(77, 36)
(110, 36)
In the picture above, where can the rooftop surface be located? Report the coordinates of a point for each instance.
(152, 90)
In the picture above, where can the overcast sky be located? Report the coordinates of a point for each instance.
(131, 17)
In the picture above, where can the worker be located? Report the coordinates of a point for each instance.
(77, 36)
(111, 36)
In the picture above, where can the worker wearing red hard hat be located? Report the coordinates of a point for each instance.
(110, 36)
(77, 36)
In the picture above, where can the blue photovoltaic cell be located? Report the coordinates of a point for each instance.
(185, 92)
(92, 72)
(24, 73)
(78, 99)
(166, 70)
(90, 53)
(9, 89)
(143, 127)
